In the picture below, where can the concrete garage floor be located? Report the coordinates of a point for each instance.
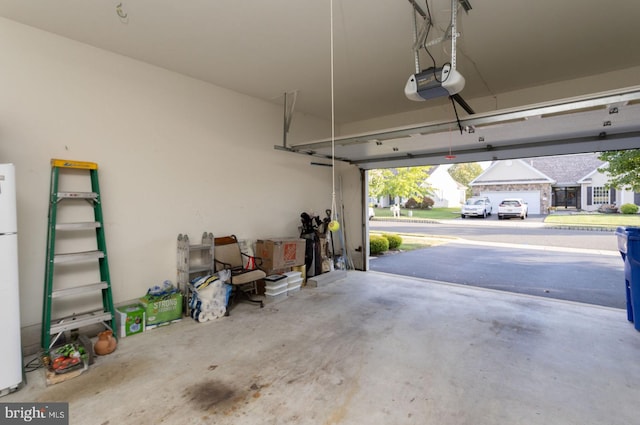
(370, 349)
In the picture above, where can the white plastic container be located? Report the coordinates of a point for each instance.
(293, 283)
(276, 287)
(293, 290)
(293, 275)
(271, 296)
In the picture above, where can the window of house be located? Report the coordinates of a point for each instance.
(600, 195)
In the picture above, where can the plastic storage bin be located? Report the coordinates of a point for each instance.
(629, 247)
(275, 296)
(294, 285)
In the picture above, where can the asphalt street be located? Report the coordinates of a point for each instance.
(521, 232)
(522, 257)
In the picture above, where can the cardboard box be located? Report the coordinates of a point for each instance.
(280, 253)
(161, 310)
(130, 320)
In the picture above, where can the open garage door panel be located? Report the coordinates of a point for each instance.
(604, 121)
(595, 123)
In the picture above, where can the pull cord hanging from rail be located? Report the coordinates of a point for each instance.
(333, 224)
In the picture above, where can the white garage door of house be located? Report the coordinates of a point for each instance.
(532, 198)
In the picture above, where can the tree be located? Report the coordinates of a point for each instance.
(376, 182)
(402, 182)
(465, 174)
(623, 168)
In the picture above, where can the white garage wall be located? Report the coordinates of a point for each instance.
(176, 155)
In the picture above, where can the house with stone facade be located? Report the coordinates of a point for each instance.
(562, 182)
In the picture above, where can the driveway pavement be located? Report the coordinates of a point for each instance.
(514, 255)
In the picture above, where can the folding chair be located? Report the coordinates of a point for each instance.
(227, 256)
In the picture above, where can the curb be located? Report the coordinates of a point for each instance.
(408, 220)
(569, 227)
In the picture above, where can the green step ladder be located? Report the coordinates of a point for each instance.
(53, 328)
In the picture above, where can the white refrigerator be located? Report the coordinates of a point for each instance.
(10, 345)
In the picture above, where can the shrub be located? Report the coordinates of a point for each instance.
(378, 244)
(394, 240)
(411, 203)
(427, 203)
(628, 208)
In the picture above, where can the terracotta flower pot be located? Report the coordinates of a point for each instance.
(106, 343)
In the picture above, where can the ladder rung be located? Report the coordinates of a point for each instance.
(77, 195)
(78, 321)
(199, 247)
(78, 226)
(197, 269)
(77, 256)
(77, 290)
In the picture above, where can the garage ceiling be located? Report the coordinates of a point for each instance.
(264, 49)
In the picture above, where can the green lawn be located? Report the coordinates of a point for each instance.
(606, 220)
(586, 219)
(434, 213)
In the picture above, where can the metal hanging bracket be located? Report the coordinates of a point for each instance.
(421, 31)
(289, 105)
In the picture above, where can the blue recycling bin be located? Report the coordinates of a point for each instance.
(629, 247)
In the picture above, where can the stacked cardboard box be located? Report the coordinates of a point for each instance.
(280, 253)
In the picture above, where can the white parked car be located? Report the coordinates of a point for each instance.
(478, 206)
(513, 207)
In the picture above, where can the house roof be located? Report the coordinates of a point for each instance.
(511, 172)
(566, 169)
(431, 170)
(441, 172)
(561, 170)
